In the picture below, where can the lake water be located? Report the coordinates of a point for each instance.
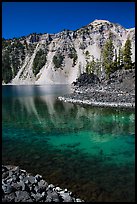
(81, 148)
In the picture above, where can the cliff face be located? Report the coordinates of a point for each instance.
(59, 58)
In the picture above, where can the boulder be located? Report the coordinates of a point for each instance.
(22, 196)
(10, 197)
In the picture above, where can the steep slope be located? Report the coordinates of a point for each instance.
(59, 58)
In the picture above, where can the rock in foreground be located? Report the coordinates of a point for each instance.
(20, 186)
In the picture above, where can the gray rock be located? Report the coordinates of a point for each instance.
(27, 182)
(38, 177)
(120, 80)
(37, 189)
(25, 179)
(22, 196)
(22, 187)
(78, 200)
(66, 197)
(23, 171)
(16, 169)
(31, 179)
(3, 182)
(9, 180)
(4, 200)
(5, 174)
(30, 188)
(7, 188)
(49, 194)
(21, 177)
(48, 199)
(16, 186)
(50, 187)
(58, 189)
(42, 184)
(43, 193)
(11, 173)
(22, 184)
(38, 197)
(4, 188)
(10, 197)
(4, 169)
(55, 196)
(15, 177)
(36, 181)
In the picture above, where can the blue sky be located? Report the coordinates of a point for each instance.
(23, 18)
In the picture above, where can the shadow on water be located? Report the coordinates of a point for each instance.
(88, 150)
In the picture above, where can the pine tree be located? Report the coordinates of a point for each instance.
(87, 55)
(98, 67)
(6, 68)
(108, 54)
(127, 54)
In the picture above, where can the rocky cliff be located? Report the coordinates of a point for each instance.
(59, 58)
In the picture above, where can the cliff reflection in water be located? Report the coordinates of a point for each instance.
(49, 114)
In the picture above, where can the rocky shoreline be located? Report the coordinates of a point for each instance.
(95, 103)
(20, 186)
(118, 91)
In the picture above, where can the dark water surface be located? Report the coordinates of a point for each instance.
(81, 148)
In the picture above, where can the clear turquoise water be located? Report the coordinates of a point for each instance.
(74, 146)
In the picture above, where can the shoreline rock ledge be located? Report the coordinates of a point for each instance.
(20, 186)
(118, 91)
(96, 103)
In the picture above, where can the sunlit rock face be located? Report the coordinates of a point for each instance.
(63, 57)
